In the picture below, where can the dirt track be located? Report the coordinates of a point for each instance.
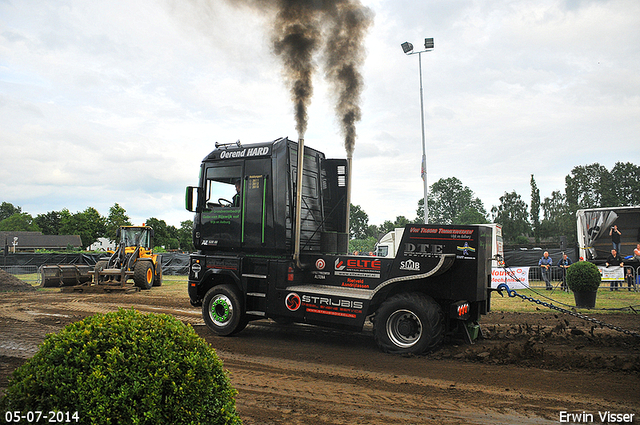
(529, 369)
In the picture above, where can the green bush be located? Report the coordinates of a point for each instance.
(125, 368)
(583, 276)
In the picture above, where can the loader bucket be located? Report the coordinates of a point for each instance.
(63, 275)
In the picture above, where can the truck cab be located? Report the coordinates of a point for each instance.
(246, 267)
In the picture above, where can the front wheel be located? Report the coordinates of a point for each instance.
(143, 275)
(222, 310)
(408, 323)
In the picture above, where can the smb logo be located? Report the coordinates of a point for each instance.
(410, 265)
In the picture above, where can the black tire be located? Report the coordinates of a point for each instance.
(100, 265)
(408, 323)
(143, 275)
(223, 311)
(158, 279)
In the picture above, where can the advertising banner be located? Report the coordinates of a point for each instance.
(612, 273)
(514, 277)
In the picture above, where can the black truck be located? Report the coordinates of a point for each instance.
(265, 250)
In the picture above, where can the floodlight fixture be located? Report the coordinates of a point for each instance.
(407, 48)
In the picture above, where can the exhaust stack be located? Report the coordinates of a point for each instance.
(297, 248)
(347, 230)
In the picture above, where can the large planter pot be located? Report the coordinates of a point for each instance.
(586, 299)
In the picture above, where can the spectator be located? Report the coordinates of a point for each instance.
(545, 265)
(630, 279)
(614, 260)
(564, 264)
(636, 252)
(615, 237)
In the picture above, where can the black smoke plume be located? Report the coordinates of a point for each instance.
(304, 28)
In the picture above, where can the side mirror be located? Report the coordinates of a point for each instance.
(189, 198)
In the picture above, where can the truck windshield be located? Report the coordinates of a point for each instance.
(223, 186)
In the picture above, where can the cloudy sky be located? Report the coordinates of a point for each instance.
(119, 101)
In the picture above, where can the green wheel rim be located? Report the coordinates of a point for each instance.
(221, 310)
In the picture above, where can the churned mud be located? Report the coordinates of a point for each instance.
(528, 368)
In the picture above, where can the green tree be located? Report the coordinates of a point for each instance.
(512, 215)
(358, 222)
(89, 224)
(626, 183)
(363, 246)
(185, 235)
(448, 198)
(471, 216)
(558, 219)
(389, 226)
(19, 222)
(7, 210)
(164, 235)
(589, 187)
(117, 217)
(535, 209)
(50, 223)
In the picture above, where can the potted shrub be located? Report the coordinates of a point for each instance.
(583, 278)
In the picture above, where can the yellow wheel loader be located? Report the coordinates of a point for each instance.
(132, 259)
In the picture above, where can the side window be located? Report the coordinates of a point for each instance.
(223, 186)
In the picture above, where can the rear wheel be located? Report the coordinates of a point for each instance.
(158, 279)
(408, 323)
(222, 310)
(143, 274)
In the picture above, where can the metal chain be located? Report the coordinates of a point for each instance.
(512, 293)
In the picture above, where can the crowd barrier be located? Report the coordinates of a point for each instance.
(557, 275)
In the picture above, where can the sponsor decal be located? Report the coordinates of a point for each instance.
(320, 275)
(330, 302)
(293, 301)
(440, 233)
(320, 264)
(357, 267)
(222, 264)
(516, 278)
(195, 269)
(332, 306)
(422, 249)
(332, 313)
(466, 249)
(410, 265)
(355, 283)
(244, 153)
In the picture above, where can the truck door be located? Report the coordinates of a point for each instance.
(222, 210)
(257, 227)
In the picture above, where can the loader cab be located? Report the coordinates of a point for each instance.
(130, 236)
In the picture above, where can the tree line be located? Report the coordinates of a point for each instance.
(450, 202)
(91, 225)
(541, 221)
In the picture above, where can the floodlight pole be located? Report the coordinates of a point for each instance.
(407, 48)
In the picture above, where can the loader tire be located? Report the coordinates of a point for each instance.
(409, 323)
(143, 275)
(157, 281)
(223, 311)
